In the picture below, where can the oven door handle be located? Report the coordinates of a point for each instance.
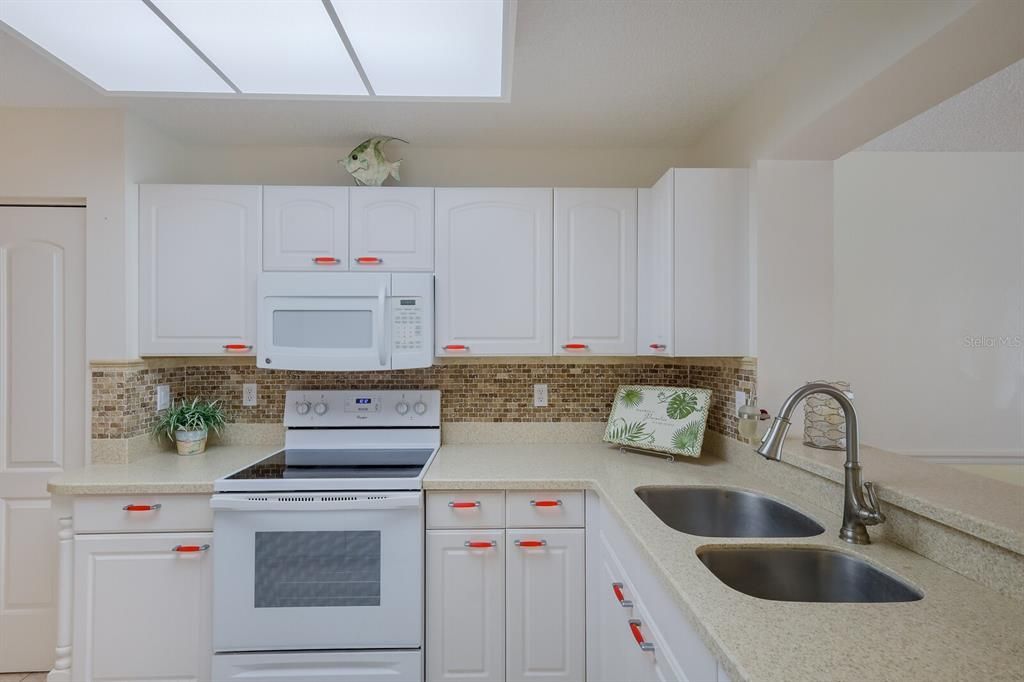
(301, 502)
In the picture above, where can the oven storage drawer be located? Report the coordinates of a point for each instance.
(318, 666)
(545, 508)
(142, 513)
(466, 509)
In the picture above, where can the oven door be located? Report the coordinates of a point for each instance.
(318, 571)
(334, 322)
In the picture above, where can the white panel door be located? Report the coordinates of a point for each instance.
(712, 294)
(42, 415)
(465, 605)
(595, 271)
(198, 260)
(142, 610)
(305, 228)
(493, 259)
(391, 228)
(545, 611)
(654, 295)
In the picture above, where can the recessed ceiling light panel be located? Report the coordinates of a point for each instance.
(427, 48)
(118, 44)
(269, 46)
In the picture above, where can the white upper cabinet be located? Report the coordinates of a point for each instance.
(654, 298)
(305, 228)
(693, 286)
(198, 260)
(493, 259)
(595, 271)
(391, 228)
(712, 281)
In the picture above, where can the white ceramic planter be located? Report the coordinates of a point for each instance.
(191, 442)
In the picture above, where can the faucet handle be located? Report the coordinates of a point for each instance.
(876, 509)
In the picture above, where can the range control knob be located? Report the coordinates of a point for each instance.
(302, 407)
(420, 407)
(320, 408)
(402, 407)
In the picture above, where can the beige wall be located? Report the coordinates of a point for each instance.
(867, 67)
(78, 153)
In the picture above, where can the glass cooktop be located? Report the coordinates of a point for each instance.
(337, 464)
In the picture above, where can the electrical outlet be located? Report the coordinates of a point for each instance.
(540, 395)
(163, 397)
(249, 395)
(741, 399)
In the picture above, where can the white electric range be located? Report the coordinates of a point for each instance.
(319, 565)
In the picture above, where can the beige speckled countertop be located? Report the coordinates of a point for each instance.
(160, 472)
(961, 630)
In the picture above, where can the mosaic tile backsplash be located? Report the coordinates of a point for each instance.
(479, 391)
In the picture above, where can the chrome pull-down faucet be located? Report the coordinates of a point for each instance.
(860, 508)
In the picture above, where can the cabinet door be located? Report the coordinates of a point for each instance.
(493, 262)
(305, 228)
(654, 295)
(465, 605)
(595, 271)
(712, 297)
(198, 259)
(391, 228)
(141, 609)
(545, 611)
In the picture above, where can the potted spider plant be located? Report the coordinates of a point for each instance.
(188, 425)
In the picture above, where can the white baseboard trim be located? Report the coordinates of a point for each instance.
(968, 456)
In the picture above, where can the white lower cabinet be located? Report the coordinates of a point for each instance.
(142, 610)
(505, 605)
(465, 634)
(545, 610)
(635, 632)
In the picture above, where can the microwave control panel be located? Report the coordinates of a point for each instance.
(408, 326)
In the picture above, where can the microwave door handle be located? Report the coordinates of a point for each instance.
(381, 349)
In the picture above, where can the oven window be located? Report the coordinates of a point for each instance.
(317, 568)
(323, 329)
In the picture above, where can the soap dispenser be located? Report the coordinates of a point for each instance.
(749, 416)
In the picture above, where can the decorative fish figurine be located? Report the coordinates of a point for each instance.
(367, 164)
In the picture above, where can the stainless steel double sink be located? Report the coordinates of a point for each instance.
(778, 573)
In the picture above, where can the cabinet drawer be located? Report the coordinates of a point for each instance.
(545, 509)
(466, 509)
(142, 513)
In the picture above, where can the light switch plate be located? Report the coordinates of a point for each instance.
(741, 399)
(540, 395)
(249, 397)
(163, 397)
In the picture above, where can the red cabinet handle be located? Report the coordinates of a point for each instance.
(325, 260)
(236, 347)
(141, 507)
(531, 543)
(617, 589)
(464, 505)
(545, 503)
(644, 645)
(190, 548)
(451, 347)
(481, 544)
(369, 260)
(575, 346)
(658, 346)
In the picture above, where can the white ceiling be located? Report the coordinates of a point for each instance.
(986, 117)
(596, 73)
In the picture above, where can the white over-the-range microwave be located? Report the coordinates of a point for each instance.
(342, 321)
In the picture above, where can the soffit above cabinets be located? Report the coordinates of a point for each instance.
(336, 49)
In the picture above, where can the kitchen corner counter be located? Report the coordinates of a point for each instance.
(163, 471)
(960, 630)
